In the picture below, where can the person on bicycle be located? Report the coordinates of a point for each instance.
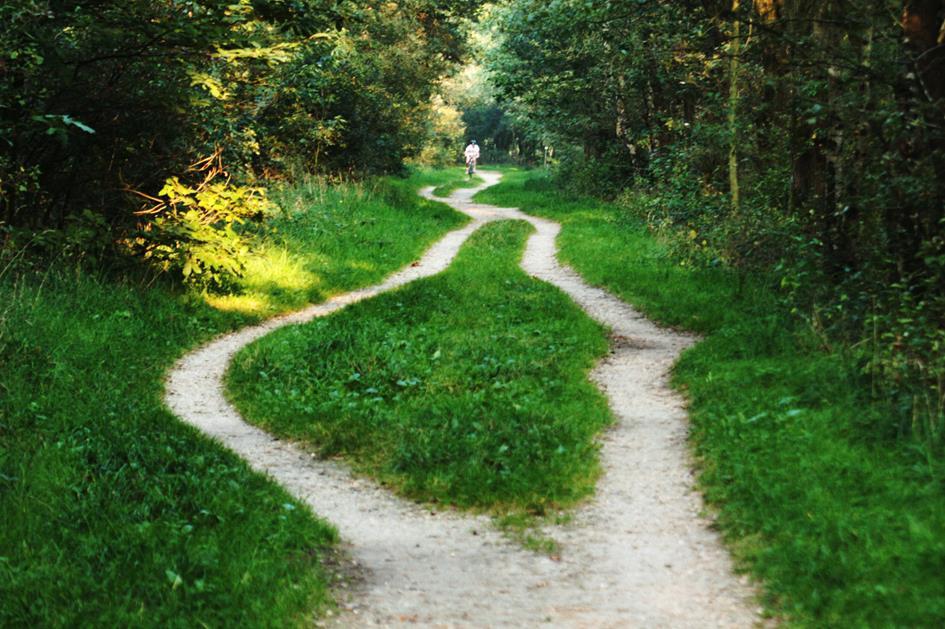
(472, 156)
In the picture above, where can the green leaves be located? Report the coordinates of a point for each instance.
(58, 124)
(174, 579)
(278, 86)
(194, 230)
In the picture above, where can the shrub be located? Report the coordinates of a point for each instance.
(194, 229)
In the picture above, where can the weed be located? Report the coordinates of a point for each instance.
(530, 530)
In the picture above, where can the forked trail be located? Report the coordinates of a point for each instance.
(636, 555)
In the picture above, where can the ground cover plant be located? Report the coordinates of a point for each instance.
(813, 490)
(468, 388)
(328, 238)
(113, 512)
(461, 180)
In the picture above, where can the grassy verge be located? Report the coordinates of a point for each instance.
(332, 238)
(113, 512)
(475, 398)
(841, 521)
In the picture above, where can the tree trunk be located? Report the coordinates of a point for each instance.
(923, 31)
(735, 50)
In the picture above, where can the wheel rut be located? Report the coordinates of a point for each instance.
(638, 554)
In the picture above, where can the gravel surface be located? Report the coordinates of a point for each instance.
(638, 554)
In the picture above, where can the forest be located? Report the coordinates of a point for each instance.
(799, 140)
(769, 174)
(148, 128)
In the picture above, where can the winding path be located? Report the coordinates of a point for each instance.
(637, 555)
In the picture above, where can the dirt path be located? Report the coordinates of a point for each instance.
(637, 555)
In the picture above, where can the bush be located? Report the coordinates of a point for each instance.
(195, 230)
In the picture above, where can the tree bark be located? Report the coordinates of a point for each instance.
(923, 29)
(735, 50)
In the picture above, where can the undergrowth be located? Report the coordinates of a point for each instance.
(114, 513)
(468, 388)
(840, 520)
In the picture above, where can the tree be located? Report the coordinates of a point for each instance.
(102, 100)
(802, 140)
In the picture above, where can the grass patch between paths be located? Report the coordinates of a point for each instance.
(815, 494)
(113, 512)
(457, 179)
(468, 388)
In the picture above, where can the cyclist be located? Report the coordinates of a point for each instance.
(472, 156)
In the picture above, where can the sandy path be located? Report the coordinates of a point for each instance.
(637, 555)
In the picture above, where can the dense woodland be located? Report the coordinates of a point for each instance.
(799, 141)
(150, 124)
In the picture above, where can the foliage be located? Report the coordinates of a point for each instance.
(501, 135)
(194, 229)
(802, 468)
(444, 144)
(504, 418)
(803, 138)
(99, 99)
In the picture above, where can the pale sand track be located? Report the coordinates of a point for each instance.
(637, 555)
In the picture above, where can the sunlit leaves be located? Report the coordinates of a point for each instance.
(278, 85)
(194, 230)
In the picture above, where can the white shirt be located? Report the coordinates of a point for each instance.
(472, 152)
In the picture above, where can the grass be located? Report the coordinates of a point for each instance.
(468, 388)
(113, 512)
(840, 521)
(333, 238)
(458, 179)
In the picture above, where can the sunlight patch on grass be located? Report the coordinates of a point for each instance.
(249, 305)
(329, 239)
(362, 265)
(284, 269)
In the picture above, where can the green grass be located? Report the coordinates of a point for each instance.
(468, 388)
(332, 238)
(841, 521)
(114, 513)
(457, 179)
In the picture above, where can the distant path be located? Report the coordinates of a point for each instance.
(637, 555)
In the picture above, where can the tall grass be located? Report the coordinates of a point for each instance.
(114, 513)
(841, 522)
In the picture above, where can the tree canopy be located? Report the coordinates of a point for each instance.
(102, 100)
(800, 139)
